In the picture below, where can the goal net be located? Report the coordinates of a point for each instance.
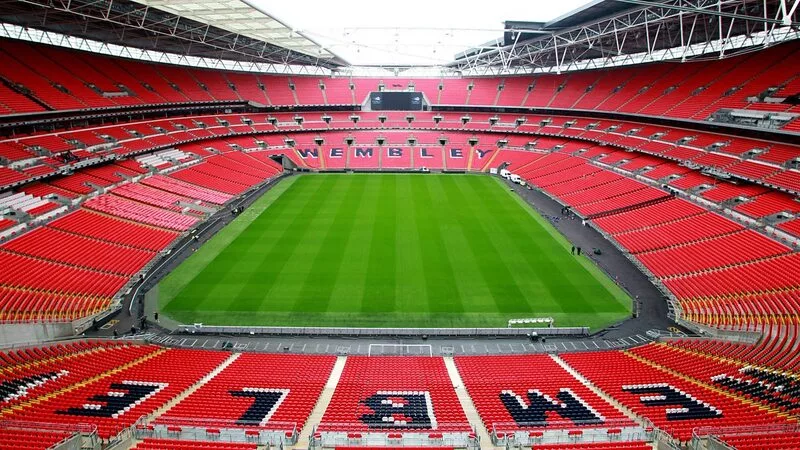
(400, 350)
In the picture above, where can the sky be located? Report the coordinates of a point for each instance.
(409, 32)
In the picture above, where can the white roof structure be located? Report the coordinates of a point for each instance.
(411, 33)
(242, 18)
(413, 38)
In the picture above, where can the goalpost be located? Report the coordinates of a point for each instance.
(400, 350)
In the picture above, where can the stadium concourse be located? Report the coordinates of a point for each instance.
(619, 183)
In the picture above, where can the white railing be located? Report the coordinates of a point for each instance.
(200, 328)
(75, 435)
(339, 434)
(702, 436)
(566, 432)
(218, 430)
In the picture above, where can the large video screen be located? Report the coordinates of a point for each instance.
(396, 101)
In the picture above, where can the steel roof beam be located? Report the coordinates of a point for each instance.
(701, 10)
(652, 31)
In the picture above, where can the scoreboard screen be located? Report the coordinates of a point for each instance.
(396, 101)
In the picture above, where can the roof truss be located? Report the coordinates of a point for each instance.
(147, 27)
(648, 31)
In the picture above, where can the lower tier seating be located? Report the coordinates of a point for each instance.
(772, 441)
(718, 252)
(61, 246)
(394, 393)
(759, 277)
(139, 212)
(28, 437)
(672, 403)
(174, 444)
(532, 391)
(23, 272)
(110, 229)
(777, 349)
(737, 378)
(116, 233)
(178, 187)
(28, 305)
(595, 446)
(253, 392)
(118, 398)
(31, 373)
(385, 448)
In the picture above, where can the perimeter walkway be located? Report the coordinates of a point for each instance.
(466, 403)
(322, 403)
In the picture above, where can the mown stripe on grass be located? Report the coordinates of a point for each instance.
(189, 269)
(433, 222)
(554, 272)
(622, 299)
(379, 284)
(411, 260)
(285, 261)
(232, 281)
(326, 266)
(497, 274)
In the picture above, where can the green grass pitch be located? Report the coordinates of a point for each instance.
(389, 250)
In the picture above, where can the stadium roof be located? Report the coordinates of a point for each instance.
(228, 29)
(334, 37)
(416, 32)
(608, 33)
(243, 18)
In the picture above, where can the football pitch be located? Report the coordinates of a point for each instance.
(389, 250)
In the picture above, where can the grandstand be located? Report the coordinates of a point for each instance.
(220, 230)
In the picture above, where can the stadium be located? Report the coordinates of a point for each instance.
(243, 225)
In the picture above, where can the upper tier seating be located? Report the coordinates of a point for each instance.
(694, 90)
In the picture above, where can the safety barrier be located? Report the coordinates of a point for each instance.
(200, 328)
(218, 430)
